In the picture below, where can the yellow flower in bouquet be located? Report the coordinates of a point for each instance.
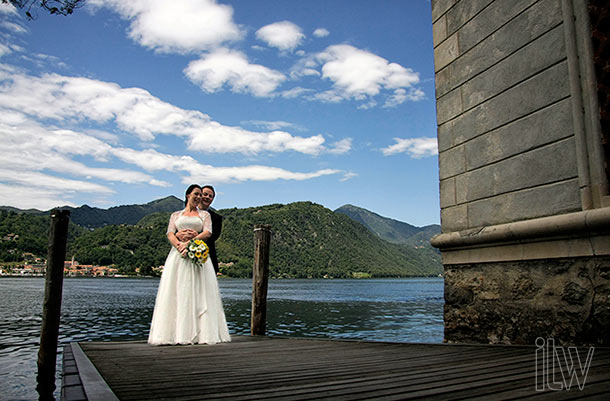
(197, 251)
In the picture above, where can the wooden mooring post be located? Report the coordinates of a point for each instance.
(51, 309)
(260, 279)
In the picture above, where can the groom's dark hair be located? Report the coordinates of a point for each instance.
(189, 190)
(211, 187)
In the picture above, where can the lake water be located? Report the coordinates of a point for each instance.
(395, 310)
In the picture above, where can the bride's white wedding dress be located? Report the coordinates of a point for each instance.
(188, 309)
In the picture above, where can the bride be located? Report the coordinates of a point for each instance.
(188, 309)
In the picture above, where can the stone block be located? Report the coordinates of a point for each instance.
(440, 7)
(529, 25)
(548, 200)
(541, 90)
(454, 218)
(601, 244)
(537, 129)
(439, 31)
(446, 52)
(449, 106)
(488, 21)
(528, 61)
(447, 192)
(451, 162)
(463, 12)
(445, 136)
(541, 166)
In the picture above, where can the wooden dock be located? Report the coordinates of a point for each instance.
(272, 368)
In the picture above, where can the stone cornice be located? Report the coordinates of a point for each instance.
(575, 234)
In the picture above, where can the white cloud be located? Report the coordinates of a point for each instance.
(274, 125)
(69, 100)
(321, 33)
(197, 172)
(13, 27)
(283, 35)
(295, 92)
(37, 152)
(348, 176)
(359, 74)
(252, 173)
(180, 26)
(402, 95)
(217, 138)
(20, 196)
(29, 147)
(232, 68)
(4, 50)
(341, 147)
(7, 8)
(414, 147)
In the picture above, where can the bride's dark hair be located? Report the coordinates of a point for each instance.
(188, 191)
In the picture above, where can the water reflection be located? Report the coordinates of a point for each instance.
(406, 310)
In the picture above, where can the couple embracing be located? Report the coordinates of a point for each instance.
(188, 309)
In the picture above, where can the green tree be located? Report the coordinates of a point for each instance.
(57, 7)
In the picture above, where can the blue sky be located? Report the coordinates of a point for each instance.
(269, 101)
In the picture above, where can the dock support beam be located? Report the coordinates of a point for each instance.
(51, 309)
(260, 278)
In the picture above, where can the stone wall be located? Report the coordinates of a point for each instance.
(525, 206)
(506, 139)
(516, 302)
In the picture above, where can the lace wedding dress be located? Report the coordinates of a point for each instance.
(188, 309)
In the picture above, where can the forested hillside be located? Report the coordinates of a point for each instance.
(308, 240)
(21, 232)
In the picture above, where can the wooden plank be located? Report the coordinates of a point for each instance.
(95, 387)
(275, 368)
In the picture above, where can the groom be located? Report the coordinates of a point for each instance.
(208, 193)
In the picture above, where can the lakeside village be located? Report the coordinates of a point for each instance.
(33, 266)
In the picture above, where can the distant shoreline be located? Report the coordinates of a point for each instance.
(226, 277)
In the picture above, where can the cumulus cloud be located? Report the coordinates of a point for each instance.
(357, 73)
(360, 75)
(229, 67)
(414, 147)
(321, 33)
(180, 26)
(283, 35)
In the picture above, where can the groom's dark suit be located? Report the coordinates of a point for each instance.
(216, 229)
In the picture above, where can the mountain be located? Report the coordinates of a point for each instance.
(394, 231)
(308, 240)
(93, 217)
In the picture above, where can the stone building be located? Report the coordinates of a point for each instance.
(523, 135)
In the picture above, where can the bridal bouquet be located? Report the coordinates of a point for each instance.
(197, 251)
